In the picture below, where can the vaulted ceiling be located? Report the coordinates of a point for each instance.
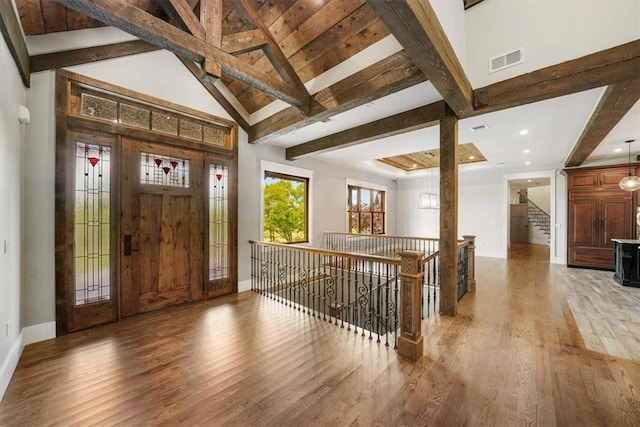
(267, 50)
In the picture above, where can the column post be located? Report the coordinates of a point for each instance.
(410, 343)
(471, 262)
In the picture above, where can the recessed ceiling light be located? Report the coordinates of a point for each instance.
(527, 151)
(524, 132)
(414, 165)
(528, 180)
(527, 163)
(617, 150)
(472, 157)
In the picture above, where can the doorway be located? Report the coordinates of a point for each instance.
(145, 218)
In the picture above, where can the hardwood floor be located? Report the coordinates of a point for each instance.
(513, 356)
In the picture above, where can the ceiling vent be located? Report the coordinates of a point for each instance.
(506, 60)
(480, 127)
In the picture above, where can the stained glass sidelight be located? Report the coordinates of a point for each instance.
(164, 170)
(218, 222)
(92, 224)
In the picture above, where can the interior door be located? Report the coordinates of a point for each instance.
(162, 231)
(519, 223)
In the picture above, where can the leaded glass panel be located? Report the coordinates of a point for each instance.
(218, 222)
(164, 170)
(189, 129)
(163, 122)
(214, 136)
(92, 224)
(134, 116)
(101, 108)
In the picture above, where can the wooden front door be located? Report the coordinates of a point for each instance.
(162, 228)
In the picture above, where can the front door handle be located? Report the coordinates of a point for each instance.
(127, 244)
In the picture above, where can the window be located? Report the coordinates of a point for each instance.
(366, 209)
(285, 208)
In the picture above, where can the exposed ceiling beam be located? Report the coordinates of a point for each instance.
(470, 3)
(211, 19)
(179, 11)
(243, 42)
(199, 74)
(598, 69)
(617, 100)
(10, 28)
(133, 20)
(418, 118)
(385, 77)
(415, 25)
(272, 50)
(66, 58)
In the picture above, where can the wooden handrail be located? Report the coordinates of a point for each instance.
(529, 201)
(353, 255)
(382, 235)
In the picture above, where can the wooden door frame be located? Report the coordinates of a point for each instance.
(69, 120)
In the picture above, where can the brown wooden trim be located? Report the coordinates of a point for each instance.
(448, 215)
(89, 124)
(411, 120)
(135, 21)
(10, 28)
(272, 50)
(211, 16)
(390, 75)
(617, 100)
(50, 61)
(179, 11)
(610, 66)
(243, 42)
(415, 24)
(468, 4)
(119, 90)
(199, 74)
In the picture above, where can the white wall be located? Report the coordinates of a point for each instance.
(12, 94)
(550, 32)
(481, 212)
(451, 15)
(541, 196)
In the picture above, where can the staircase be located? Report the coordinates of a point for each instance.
(537, 216)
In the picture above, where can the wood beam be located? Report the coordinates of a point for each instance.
(448, 245)
(243, 42)
(199, 74)
(383, 78)
(415, 25)
(618, 64)
(51, 61)
(272, 49)
(180, 12)
(10, 28)
(211, 19)
(133, 20)
(617, 100)
(411, 120)
(468, 4)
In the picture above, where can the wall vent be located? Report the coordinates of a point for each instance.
(506, 60)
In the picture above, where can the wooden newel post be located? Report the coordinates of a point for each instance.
(410, 340)
(471, 263)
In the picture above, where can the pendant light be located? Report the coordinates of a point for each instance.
(429, 200)
(630, 182)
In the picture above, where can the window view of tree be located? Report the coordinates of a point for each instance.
(366, 210)
(285, 208)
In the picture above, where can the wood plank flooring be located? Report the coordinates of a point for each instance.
(513, 356)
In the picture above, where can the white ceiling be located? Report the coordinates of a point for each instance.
(553, 128)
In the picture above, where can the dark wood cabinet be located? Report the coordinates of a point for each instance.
(598, 211)
(627, 262)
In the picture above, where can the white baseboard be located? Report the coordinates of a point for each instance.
(9, 365)
(244, 285)
(40, 332)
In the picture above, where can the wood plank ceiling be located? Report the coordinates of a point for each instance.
(263, 50)
(313, 35)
